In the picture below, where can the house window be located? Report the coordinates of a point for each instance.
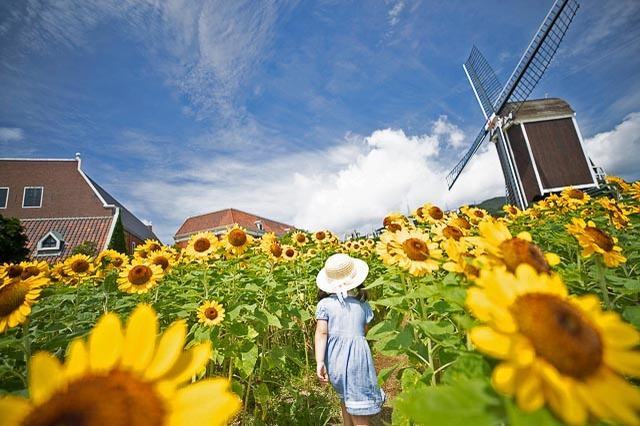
(259, 225)
(32, 196)
(51, 244)
(4, 197)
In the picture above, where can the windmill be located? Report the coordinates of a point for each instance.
(538, 142)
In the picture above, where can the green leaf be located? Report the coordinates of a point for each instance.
(470, 403)
(632, 314)
(248, 358)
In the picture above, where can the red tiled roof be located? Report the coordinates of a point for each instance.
(74, 231)
(224, 218)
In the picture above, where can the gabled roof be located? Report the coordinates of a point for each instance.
(131, 223)
(538, 109)
(73, 230)
(220, 220)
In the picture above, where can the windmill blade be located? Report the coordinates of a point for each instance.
(455, 173)
(538, 55)
(483, 81)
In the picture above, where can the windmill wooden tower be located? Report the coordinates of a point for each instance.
(539, 143)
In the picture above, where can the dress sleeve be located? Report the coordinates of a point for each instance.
(368, 312)
(321, 311)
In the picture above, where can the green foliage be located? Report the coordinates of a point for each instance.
(118, 242)
(86, 247)
(13, 241)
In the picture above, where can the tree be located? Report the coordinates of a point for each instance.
(13, 240)
(86, 247)
(118, 242)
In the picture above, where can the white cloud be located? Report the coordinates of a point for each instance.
(11, 134)
(351, 185)
(617, 151)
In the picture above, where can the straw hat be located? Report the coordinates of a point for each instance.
(341, 273)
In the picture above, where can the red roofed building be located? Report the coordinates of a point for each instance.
(218, 223)
(60, 207)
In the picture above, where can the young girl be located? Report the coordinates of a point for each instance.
(342, 353)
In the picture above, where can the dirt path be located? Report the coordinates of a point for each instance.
(392, 387)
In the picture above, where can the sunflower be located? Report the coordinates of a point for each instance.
(289, 253)
(394, 221)
(210, 313)
(165, 258)
(475, 214)
(236, 241)
(300, 238)
(619, 182)
(557, 350)
(386, 249)
(594, 240)
(459, 222)
(322, 237)
(460, 259)
(34, 268)
(124, 377)
(511, 211)
(139, 277)
(495, 239)
(144, 250)
(617, 212)
(443, 231)
(634, 191)
(78, 265)
(576, 197)
(202, 246)
(17, 295)
(111, 259)
(415, 252)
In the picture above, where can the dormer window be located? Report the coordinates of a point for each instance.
(259, 225)
(51, 243)
(32, 197)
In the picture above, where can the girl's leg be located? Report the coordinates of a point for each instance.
(346, 417)
(360, 420)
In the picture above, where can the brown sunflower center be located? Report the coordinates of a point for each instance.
(559, 333)
(12, 296)
(301, 238)
(290, 252)
(576, 194)
(154, 247)
(117, 399)
(478, 213)
(14, 271)
(436, 212)
(320, 235)
(420, 212)
(452, 232)
(201, 244)
(80, 266)
(601, 238)
(461, 223)
(117, 262)
(29, 271)
(237, 237)
(161, 261)
(211, 313)
(140, 274)
(516, 251)
(393, 227)
(415, 249)
(276, 250)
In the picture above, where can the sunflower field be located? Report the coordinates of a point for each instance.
(528, 317)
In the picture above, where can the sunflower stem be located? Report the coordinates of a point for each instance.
(603, 283)
(204, 281)
(26, 342)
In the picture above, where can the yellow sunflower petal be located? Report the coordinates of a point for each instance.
(105, 343)
(625, 362)
(504, 377)
(529, 395)
(140, 338)
(169, 350)
(560, 395)
(13, 410)
(206, 402)
(490, 342)
(77, 362)
(45, 377)
(624, 407)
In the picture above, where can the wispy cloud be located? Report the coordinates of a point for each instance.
(11, 134)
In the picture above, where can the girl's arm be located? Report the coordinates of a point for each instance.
(320, 349)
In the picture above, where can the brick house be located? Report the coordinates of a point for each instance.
(60, 207)
(218, 222)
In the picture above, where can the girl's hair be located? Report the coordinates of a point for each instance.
(361, 293)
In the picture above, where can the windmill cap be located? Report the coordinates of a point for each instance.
(341, 273)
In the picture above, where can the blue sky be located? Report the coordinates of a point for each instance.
(320, 114)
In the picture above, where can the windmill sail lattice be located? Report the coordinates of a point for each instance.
(530, 69)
